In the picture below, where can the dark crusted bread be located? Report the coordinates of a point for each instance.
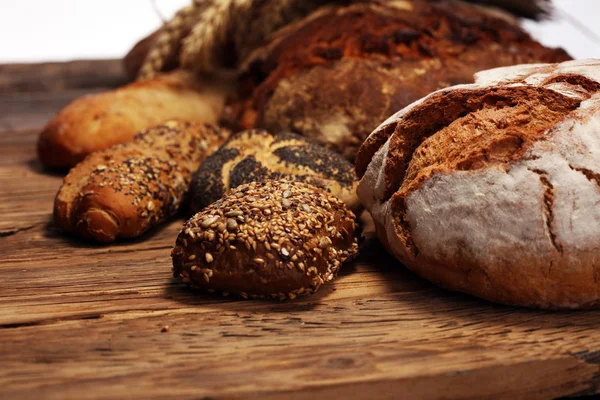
(276, 239)
(257, 155)
(123, 191)
(493, 188)
(334, 75)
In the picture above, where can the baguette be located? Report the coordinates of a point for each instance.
(98, 121)
(123, 191)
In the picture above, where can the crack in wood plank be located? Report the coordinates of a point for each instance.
(14, 231)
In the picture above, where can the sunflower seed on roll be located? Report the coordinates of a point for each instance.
(274, 239)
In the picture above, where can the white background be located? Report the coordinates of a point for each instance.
(43, 30)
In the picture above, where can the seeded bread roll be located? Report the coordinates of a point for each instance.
(275, 239)
(334, 75)
(123, 191)
(96, 122)
(493, 188)
(257, 155)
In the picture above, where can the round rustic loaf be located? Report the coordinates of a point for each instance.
(257, 155)
(275, 239)
(493, 188)
(335, 74)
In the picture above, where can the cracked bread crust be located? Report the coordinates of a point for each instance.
(335, 74)
(257, 156)
(492, 188)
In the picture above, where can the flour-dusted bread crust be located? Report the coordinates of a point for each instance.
(127, 189)
(335, 74)
(273, 239)
(257, 156)
(493, 188)
(98, 121)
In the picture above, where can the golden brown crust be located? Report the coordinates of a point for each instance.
(335, 73)
(257, 156)
(123, 191)
(276, 239)
(492, 188)
(98, 121)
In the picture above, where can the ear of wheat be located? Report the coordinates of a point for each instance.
(210, 32)
(167, 42)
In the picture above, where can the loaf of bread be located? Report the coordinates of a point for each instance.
(274, 239)
(335, 74)
(257, 156)
(98, 121)
(123, 191)
(493, 188)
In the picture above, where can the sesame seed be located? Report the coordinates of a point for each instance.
(209, 258)
(285, 251)
(192, 257)
(232, 214)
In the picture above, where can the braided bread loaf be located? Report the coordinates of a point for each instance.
(257, 156)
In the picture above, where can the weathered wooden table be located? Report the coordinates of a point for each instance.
(82, 321)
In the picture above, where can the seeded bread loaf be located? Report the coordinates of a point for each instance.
(335, 74)
(127, 189)
(275, 239)
(98, 121)
(493, 188)
(257, 155)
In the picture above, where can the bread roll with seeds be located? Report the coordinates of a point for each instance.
(257, 155)
(98, 121)
(275, 239)
(493, 188)
(123, 191)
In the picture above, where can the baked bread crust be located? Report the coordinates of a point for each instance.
(257, 156)
(125, 190)
(492, 188)
(98, 121)
(333, 75)
(274, 239)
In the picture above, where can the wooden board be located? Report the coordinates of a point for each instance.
(78, 320)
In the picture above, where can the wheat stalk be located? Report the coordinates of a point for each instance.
(168, 40)
(210, 32)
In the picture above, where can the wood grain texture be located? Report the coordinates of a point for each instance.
(83, 321)
(54, 77)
